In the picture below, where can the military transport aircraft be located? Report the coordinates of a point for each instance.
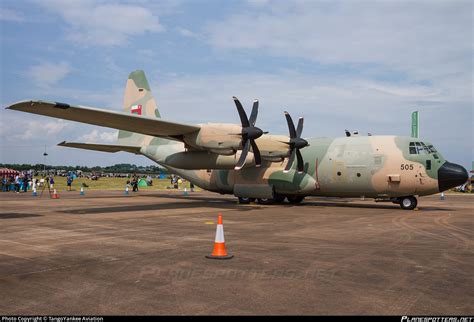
(243, 160)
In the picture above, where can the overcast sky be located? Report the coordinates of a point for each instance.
(358, 65)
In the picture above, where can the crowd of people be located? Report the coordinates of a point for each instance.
(16, 182)
(176, 181)
(24, 181)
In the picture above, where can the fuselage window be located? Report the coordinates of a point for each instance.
(428, 164)
(435, 156)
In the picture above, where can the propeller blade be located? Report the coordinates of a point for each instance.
(299, 129)
(253, 115)
(291, 125)
(243, 116)
(300, 163)
(290, 161)
(243, 156)
(256, 153)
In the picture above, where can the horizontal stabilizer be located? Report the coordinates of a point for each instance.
(112, 148)
(116, 120)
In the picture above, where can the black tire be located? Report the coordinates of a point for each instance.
(295, 199)
(244, 200)
(408, 203)
(266, 201)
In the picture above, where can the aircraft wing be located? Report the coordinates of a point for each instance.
(116, 120)
(112, 148)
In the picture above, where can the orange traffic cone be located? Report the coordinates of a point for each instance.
(55, 194)
(219, 251)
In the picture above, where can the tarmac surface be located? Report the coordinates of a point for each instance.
(106, 253)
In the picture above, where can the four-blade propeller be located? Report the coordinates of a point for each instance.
(296, 143)
(249, 134)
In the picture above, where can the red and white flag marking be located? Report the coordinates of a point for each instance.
(137, 109)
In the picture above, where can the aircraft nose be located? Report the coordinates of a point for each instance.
(451, 175)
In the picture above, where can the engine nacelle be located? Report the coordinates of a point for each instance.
(226, 139)
(199, 160)
(215, 137)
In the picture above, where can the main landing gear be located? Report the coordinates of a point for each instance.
(293, 199)
(407, 203)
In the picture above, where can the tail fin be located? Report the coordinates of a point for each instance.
(138, 100)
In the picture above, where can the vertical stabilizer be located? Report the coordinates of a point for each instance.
(138, 100)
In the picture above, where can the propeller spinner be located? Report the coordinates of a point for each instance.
(249, 134)
(296, 143)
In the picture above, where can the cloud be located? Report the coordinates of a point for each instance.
(316, 97)
(258, 2)
(423, 39)
(187, 33)
(47, 74)
(27, 130)
(415, 91)
(11, 15)
(97, 136)
(93, 23)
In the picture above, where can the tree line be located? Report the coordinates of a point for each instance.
(116, 168)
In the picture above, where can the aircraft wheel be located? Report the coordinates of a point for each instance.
(295, 199)
(244, 200)
(266, 201)
(408, 203)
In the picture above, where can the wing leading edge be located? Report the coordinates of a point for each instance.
(116, 120)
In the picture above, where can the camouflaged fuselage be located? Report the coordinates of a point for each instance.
(370, 166)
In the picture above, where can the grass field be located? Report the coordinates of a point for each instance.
(111, 184)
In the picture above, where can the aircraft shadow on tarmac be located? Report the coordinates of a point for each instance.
(367, 206)
(162, 206)
(13, 215)
(198, 201)
(317, 201)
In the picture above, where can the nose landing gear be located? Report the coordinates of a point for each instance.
(407, 203)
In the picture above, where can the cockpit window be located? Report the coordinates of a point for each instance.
(421, 148)
(432, 149)
(412, 148)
